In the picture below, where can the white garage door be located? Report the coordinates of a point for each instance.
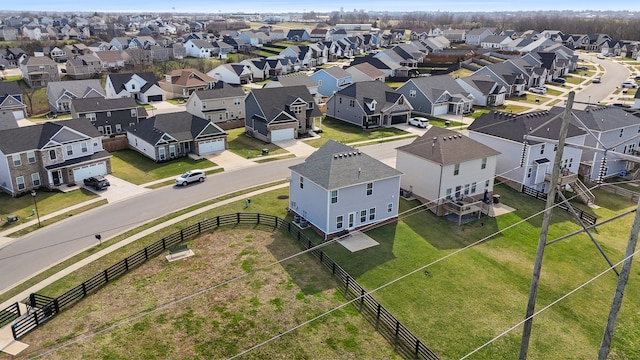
(210, 146)
(440, 110)
(82, 172)
(284, 134)
(18, 115)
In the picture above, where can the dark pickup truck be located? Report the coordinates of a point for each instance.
(97, 182)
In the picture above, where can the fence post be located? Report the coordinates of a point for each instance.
(309, 244)
(56, 307)
(35, 318)
(237, 218)
(84, 290)
(106, 276)
(346, 288)
(126, 263)
(32, 299)
(361, 299)
(181, 235)
(199, 229)
(321, 256)
(17, 308)
(289, 228)
(417, 348)
(146, 254)
(164, 244)
(258, 219)
(378, 315)
(13, 331)
(333, 267)
(397, 333)
(218, 221)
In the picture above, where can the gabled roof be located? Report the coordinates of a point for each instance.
(296, 79)
(99, 104)
(336, 165)
(515, 126)
(273, 101)
(433, 87)
(119, 80)
(189, 77)
(368, 69)
(9, 88)
(446, 147)
(483, 83)
(37, 61)
(366, 92)
(180, 126)
(220, 91)
(75, 89)
(336, 72)
(606, 118)
(202, 43)
(37, 136)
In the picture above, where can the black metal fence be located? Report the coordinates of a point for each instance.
(587, 218)
(45, 308)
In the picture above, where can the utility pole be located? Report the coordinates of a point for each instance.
(622, 283)
(546, 220)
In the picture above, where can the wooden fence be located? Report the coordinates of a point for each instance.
(620, 191)
(587, 218)
(45, 308)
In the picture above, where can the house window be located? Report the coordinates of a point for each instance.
(133, 86)
(107, 129)
(161, 153)
(529, 173)
(20, 182)
(484, 163)
(369, 189)
(456, 169)
(339, 221)
(334, 196)
(84, 147)
(412, 93)
(91, 116)
(339, 100)
(35, 179)
(16, 160)
(372, 214)
(172, 151)
(319, 82)
(31, 157)
(400, 101)
(466, 189)
(118, 128)
(473, 188)
(134, 113)
(108, 113)
(555, 147)
(69, 150)
(352, 103)
(52, 154)
(541, 149)
(448, 194)
(101, 130)
(236, 101)
(621, 132)
(486, 183)
(301, 182)
(363, 216)
(389, 207)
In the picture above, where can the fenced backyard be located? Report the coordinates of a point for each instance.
(587, 218)
(45, 308)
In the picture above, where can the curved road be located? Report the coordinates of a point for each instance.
(40, 250)
(614, 74)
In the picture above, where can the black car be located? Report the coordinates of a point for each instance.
(97, 182)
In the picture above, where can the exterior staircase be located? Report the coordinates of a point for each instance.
(583, 192)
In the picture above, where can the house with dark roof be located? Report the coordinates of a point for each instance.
(232, 73)
(50, 155)
(109, 116)
(484, 90)
(512, 77)
(436, 95)
(60, 93)
(614, 129)
(181, 83)
(168, 136)
(298, 35)
(331, 79)
(223, 105)
(11, 99)
(338, 189)
(527, 146)
(259, 68)
(39, 71)
(443, 167)
(199, 48)
(143, 87)
(369, 104)
(281, 113)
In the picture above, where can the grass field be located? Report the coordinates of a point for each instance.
(136, 168)
(346, 133)
(220, 322)
(249, 147)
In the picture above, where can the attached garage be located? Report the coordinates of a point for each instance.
(82, 172)
(399, 119)
(440, 109)
(209, 146)
(152, 98)
(283, 134)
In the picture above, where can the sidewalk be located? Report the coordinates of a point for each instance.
(59, 275)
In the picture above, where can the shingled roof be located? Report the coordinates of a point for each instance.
(182, 126)
(37, 136)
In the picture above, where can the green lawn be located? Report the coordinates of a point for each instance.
(246, 146)
(516, 109)
(458, 304)
(554, 92)
(35, 99)
(347, 133)
(131, 166)
(13, 78)
(530, 98)
(478, 112)
(48, 202)
(177, 101)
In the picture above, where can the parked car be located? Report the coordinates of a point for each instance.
(585, 68)
(629, 84)
(538, 90)
(97, 182)
(190, 176)
(637, 78)
(560, 81)
(419, 122)
(596, 80)
(600, 56)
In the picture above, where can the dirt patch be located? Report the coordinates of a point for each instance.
(220, 319)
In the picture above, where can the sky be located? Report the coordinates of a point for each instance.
(278, 6)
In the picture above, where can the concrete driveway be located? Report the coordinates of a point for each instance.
(164, 107)
(296, 147)
(119, 189)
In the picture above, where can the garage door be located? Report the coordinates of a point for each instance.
(284, 134)
(399, 119)
(440, 110)
(82, 172)
(209, 146)
(155, 98)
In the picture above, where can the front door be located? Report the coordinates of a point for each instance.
(351, 221)
(57, 177)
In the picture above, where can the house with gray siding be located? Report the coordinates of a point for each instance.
(369, 104)
(223, 104)
(436, 95)
(338, 189)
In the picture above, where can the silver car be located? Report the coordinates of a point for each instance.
(190, 176)
(419, 122)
